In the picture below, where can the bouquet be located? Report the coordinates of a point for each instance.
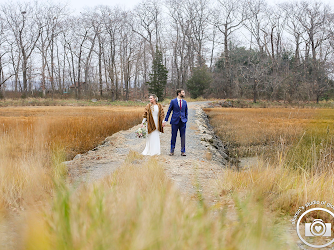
(141, 132)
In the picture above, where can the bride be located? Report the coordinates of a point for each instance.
(154, 114)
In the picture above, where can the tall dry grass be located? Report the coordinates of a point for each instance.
(295, 149)
(138, 208)
(76, 129)
(35, 101)
(25, 170)
(256, 131)
(249, 103)
(314, 150)
(34, 140)
(283, 189)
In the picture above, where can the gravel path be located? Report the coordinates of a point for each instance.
(192, 173)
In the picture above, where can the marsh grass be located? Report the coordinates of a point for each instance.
(34, 142)
(283, 189)
(295, 163)
(259, 131)
(138, 207)
(19, 102)
(314, 149)
(76, 129)
(249, 103)
(25, 169)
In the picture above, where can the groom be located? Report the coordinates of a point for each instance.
(178, 120)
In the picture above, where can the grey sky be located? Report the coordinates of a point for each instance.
(78, 5)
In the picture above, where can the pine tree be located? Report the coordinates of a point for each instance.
(158, 77)
(199, 81)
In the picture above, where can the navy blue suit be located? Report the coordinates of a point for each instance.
(178, 121)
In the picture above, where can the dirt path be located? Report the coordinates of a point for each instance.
(187, 172)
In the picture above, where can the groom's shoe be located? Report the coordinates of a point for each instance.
(171, 153)
(183, 154)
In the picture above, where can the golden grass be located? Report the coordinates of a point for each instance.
(249, 103)
(138, 208)
(294, 146)
(76, 129)
(283, 189)
(254, 131)
(35, 101)
(314, 150)
(28, 168)
(34, 140)
(303, 136)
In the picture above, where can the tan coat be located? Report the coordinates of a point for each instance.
(149, 117)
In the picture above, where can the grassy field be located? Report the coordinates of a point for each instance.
(251, 131)
(19, 102)
(33, 140)
(294, 149)
(74, 129)
(65, 102)
(249, 103)
(137, 207)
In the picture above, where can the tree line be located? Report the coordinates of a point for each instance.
(216, 48)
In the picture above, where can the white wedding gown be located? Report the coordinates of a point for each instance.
(153, 139)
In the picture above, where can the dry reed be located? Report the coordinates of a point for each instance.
(138, 208)
(34, 140)
(295, 149)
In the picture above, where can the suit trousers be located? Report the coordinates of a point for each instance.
(181, 126)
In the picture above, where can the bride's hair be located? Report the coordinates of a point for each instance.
(155, 97)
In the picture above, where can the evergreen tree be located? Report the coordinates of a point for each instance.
(158, 77)
(199, 81)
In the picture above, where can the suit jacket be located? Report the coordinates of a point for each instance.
(149, 117)
(177, 113)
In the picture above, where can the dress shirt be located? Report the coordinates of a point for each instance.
(178, 101)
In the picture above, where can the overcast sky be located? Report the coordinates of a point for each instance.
(78, 5)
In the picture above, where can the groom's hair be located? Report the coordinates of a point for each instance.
(178, 91)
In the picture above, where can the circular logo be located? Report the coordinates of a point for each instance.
(316, 229)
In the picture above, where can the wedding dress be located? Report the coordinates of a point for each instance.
(153, 139)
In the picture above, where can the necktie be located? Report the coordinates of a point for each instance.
(180, 104)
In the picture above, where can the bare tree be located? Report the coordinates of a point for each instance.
(22, 22)
(229, 17)
(3, 52)
(315, 18)
(256, 23)
(148, 23)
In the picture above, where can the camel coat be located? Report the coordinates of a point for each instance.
(149, 117)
